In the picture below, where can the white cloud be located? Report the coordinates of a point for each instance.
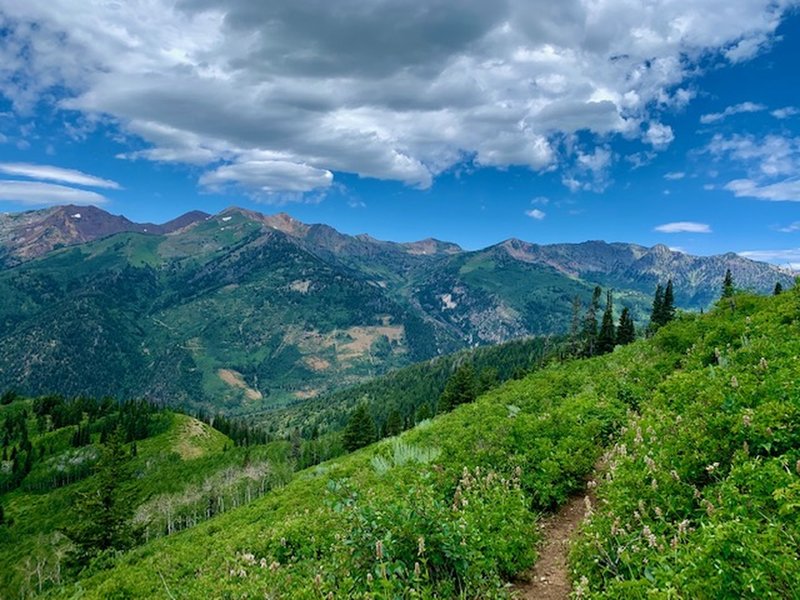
(398, 91)
(51, 173)
(34, 193)
(535, 213)
(788, 258)
(772, 155)
(674, 175)
(785, 112)
(790, 228)
(787, 190)
(269, 176)
(744, 107)
(658, 135)
(683, 227)
(541, 200)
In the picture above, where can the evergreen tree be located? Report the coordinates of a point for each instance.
(668, 308)
(2, 515)
(394, 423)
(102, 519)
(488, 379)
(778, 289)
(360, 430)
(626, 332)
(460, 388)
(658, 309)
(608, 335)
(727, 285)
(589, 332)
(575, 326)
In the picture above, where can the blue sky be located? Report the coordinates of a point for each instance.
(668, 123)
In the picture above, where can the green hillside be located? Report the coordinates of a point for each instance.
(700, 430)
(178, 469)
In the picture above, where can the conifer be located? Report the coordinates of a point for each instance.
(727, 285)
(360, 430)
(626, 331)
(607, 337)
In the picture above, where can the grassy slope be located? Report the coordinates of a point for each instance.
(185, 452)
(702, 493)
(319, 532)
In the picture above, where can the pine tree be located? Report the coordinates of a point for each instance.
(394, 423)
(668, 308)
(488, 379)
(102, 519)
(727, 285)
(658, 309)
(575, 326)
(589, 332)
(460, 388)
(778, 289)
(2, 515)
(360, 430)
(626, 332)
(608, 335)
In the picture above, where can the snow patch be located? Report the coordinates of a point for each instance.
(226, 219)
(76, 216)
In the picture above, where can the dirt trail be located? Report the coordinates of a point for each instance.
(549, 577)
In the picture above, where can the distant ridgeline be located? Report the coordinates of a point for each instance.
(243, 313)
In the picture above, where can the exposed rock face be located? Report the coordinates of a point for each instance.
(28, 235)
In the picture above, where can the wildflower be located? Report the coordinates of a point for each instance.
(683, 527)
(747, 419)
(379, 550)
(318, 580)
(654, 483)
(274, 566)
(369, 577)
(734, 382)
(416, 570)
(762, 364)
(263, 563)
(638, 439)
(651, 464)
(658, 512)
(420, 546)
(587, 502)
(712, 467)
(649, 536)
(674, 474)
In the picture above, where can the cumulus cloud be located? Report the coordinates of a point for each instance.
(35, 193)
(398, 91)
(744, 107)
(683, 227)
(535, 213)
(51, 173)
(659, 135)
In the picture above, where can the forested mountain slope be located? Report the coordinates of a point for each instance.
(701, 429)
(243, 312)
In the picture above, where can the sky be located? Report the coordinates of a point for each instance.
(670, 121)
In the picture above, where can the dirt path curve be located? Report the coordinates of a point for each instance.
(549, 577)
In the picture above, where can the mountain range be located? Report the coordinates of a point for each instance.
(242, 311)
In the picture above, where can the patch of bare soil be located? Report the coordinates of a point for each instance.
(235, 379)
